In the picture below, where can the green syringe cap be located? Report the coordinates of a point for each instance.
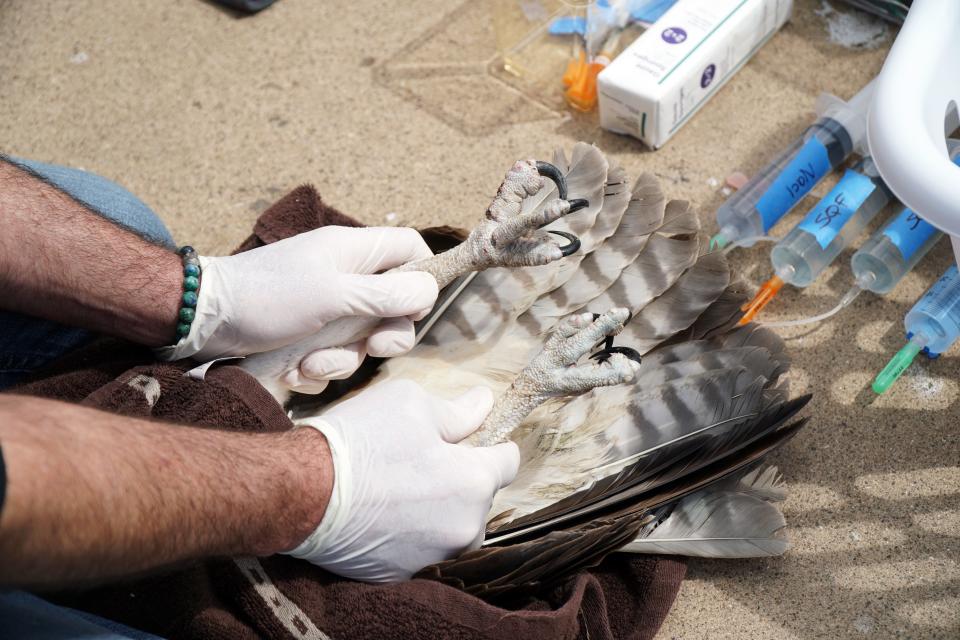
(897, 365)
(718, 241)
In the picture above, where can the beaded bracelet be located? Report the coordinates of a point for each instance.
(191, 285)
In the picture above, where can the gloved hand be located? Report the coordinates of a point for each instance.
(277, 294)
(405, 495)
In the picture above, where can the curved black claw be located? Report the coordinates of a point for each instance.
(571, 247)
(604, 354)
(548, 170)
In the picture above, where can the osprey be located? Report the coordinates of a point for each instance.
(641, 410)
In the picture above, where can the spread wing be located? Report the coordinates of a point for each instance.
(667, 464)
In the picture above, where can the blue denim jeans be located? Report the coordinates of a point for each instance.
(23, 615)
(27, 344)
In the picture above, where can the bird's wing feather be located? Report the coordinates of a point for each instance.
(721, 316)
(667, 461)
(643, 216)
(729, 519)
(680, 306)
(717, 524)
(656, 269)
(497, 562)
(493, 573)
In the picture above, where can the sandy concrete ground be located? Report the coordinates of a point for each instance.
(209, 118)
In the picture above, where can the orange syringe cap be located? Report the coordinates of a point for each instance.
(767, 292)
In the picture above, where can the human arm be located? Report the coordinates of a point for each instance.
(61, 261)
(93, 496)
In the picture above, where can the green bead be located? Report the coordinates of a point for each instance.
(187, 314)
(183, 329)
(191, 270)
(189, 299)
(190, 283)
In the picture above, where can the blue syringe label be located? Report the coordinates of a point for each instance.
(827, 218)
(806, 169)
(908, 232)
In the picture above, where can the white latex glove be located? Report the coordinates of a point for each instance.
(277, 294)
(405, 495)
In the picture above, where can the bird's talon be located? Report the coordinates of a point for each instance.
(511, 237)
(576, 204)
(600, 356)
(572, 246)
(550, 171)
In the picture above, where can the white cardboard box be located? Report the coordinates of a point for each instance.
(670, 71)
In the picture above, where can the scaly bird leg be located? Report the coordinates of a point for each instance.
(507, 237)
(554, 372)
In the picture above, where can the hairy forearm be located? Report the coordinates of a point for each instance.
(63, 262)
(92, 496)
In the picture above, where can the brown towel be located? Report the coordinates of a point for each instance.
(279, 597)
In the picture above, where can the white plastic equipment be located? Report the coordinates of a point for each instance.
(914, 107)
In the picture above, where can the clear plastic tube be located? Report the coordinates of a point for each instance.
(748, 241)
(845, 301)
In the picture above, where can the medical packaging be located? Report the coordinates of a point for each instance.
(651, 89)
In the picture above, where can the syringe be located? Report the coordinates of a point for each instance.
(820, 237)
(932, 325)
(774, 190)
(890, 253)
(883, 260)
